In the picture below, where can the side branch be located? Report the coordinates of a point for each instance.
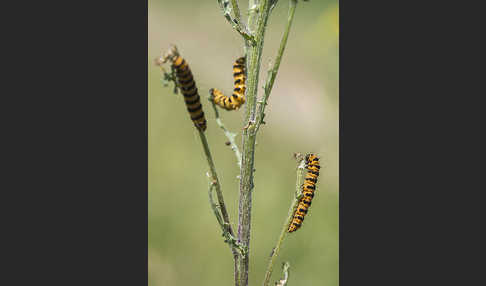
(236, 8)
(236, 22)
(230, 135)
(272, 72)
(229, 238)
(217, 186)
(288, 220)
(285, 270)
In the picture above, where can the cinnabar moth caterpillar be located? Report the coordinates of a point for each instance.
(234, 101)
(186, 83)
(308, 189)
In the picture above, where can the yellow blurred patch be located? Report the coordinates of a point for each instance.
(334, 19)
(327, 25)
(324, 32)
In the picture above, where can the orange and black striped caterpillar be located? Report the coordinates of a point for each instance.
(186, 83)
(308, 189)
(234, 101)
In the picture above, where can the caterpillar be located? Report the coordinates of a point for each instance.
(234, 101)
(308, 189)
(186, 83)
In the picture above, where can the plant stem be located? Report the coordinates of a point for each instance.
(234, 3)
(230, 239)
(236, 24)
(288, 220)
(253, 12)
(249, 137)
(285, 270)
(281, 49)
(215, 180)
(272, 73)
(230, 135)
(217, 186)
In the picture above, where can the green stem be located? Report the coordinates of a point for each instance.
(288, 220)
(272, 73)
(230, 239)
(253, 13)
(249, 138)
(217, 186)
(285, 270)
(235, 23)
(234, 3)
(230, 135)
(215, 207)
(215, 180)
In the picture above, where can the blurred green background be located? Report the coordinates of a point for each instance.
(185, 243)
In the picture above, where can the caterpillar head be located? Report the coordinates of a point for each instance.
(241, 60)
(312, 159)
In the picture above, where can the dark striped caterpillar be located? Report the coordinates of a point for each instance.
(186, 83)
(234, 101)
(308, 189)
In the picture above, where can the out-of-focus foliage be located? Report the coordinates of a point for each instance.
(185, 243)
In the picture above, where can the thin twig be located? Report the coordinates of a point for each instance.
(214, 206)
(235, 23)
(229, 238)
(272, 73)
(273, 3)
(230, 135)
(217, 186)
(236, 10)
(285, 270)
(253, 9)
(288, 220)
